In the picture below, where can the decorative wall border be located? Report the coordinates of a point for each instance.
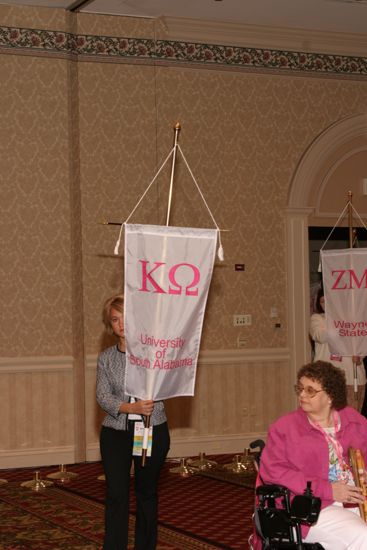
(110, 48)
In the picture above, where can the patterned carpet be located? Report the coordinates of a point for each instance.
(56, 519)
(50, 519)
(195, 513)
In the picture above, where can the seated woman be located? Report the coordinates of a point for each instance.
(311, 444)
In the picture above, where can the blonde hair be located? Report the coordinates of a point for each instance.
(115, 302)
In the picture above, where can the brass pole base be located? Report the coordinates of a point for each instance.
(36, 484)
(202, 463)
(236, 466)
(62, 476)
(248, 461)
(183, 470)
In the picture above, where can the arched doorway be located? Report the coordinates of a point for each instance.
(316, 178)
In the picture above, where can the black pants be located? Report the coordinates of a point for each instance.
(116, 451)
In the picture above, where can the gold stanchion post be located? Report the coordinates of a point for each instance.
(202, 463)
(37, 484)
(183, 469)
(62, 476)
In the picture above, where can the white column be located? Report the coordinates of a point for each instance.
(298, 286)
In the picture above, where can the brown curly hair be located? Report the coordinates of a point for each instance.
(332, 380)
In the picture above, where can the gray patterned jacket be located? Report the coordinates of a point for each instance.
(111, 370)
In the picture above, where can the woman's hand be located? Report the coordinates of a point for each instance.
(142, 407)
(357, 360)
(342, 492)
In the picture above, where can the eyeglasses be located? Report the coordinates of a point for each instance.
(309, 390)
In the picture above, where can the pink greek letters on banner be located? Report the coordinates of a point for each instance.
(147, 277)
(347, 279)
(345, 286)
(167, 277)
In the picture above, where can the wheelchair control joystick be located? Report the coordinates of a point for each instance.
(306, 507)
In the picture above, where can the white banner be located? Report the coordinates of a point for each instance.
(167, 277)
(345, 286)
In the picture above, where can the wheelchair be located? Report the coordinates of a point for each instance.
(277, 520)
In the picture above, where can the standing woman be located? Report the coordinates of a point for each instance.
(319, 335)
(116, 443)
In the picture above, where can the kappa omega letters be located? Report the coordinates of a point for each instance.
(176, 288)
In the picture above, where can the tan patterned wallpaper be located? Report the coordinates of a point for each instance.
(35, 219)
(33, 18)
(81, 141)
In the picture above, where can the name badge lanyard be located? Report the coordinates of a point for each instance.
(335, 443)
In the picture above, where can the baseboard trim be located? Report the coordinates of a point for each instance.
(37, 457)
(193, 445)
(182, 446)
(228, 444)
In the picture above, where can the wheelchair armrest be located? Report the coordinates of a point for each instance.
(278, 522)
(305, 509)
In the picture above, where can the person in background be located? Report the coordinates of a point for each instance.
(311, 445)
(116, 443)
(322, 352)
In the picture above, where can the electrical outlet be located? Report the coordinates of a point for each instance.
(273, 312)
(241, 342)
(242, 320)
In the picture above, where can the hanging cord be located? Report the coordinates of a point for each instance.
(359, 217)
(220, 249)
(355, 236)
(340, 217)
(117, 246)
(328, 237)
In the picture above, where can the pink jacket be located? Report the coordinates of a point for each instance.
(296, 452)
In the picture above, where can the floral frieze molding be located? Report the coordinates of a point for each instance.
(152, 51)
